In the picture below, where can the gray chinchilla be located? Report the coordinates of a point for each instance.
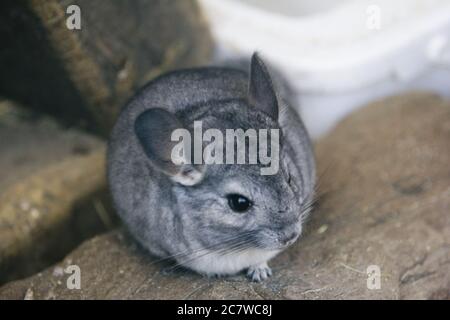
(216, 219)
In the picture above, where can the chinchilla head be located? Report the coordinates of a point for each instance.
(230, 206)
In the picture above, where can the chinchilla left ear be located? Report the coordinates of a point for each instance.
(154, 129)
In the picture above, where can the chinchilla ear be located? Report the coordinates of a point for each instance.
(261, 93)
(154, 129)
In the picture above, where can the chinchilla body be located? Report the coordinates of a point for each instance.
(216, 219)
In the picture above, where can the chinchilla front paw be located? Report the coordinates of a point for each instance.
(259, 272)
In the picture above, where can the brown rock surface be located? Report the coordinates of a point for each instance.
(385, 188)
(51, 188)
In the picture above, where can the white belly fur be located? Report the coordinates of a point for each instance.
(212, 263)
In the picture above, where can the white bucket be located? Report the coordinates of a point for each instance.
(340, 54)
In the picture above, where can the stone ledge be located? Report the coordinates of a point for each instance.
(53, 184)
(385, 186)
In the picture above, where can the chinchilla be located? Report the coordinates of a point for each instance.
(215, 219)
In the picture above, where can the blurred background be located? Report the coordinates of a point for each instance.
(67, 68)
(340, 54)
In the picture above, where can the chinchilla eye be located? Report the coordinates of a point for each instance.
(238, 203)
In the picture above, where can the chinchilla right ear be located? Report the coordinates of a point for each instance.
(154, 128)
(261, 92)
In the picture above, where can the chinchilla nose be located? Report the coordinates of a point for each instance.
(288, 238)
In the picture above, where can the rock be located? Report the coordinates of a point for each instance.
(52, 191)
(85, 76)
(385, 190)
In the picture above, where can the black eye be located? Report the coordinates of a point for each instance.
(238, 203)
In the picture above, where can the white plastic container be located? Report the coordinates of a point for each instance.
(340, 54)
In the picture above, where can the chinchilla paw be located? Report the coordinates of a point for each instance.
(259, 272)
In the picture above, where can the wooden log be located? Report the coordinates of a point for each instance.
(85, 76)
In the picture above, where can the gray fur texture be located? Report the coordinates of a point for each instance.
(192, 223)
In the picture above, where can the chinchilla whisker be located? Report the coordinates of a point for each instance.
(304, 212)
(238, 249)
(187, 252)
(208, 250)
(313, 202)
(311, 205)
(246, 240)
(228, 250)
(318, 192)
